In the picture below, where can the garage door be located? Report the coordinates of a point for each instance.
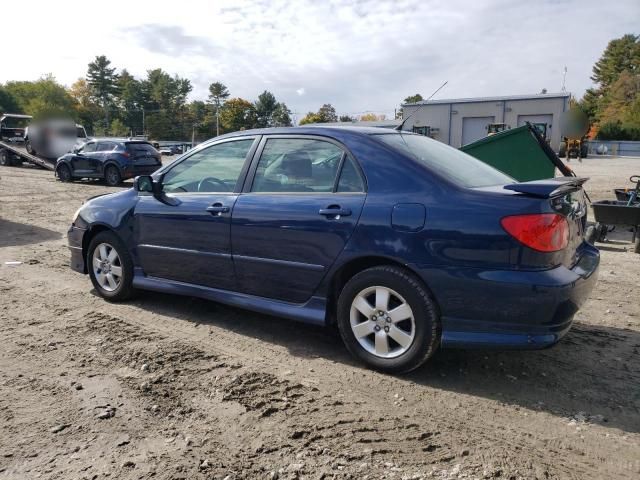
(548, 119)
(474, 128)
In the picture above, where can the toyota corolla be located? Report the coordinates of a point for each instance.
(404, 243)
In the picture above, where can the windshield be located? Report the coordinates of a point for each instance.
(141, 149)
(13, 122)
(449, 162)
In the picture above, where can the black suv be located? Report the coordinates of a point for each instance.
(111, 159)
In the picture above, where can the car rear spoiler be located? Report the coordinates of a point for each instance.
(551, 187)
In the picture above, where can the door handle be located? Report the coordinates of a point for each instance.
(335, 211)
(218, 209)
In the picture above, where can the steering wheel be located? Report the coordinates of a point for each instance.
(213, 180)
(634, 178)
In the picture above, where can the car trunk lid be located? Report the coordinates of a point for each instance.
(564, 196)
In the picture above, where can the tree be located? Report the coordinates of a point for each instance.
(238, 114)
(218, 93)
(88, 112)
(103, 81)
(327, 113)
(281, 116)
(346, 118)
(43, 98)
(164, 97)
(265, 107)
(410, 99)
(612, 103)
(621, 54)
(310, 117)
(369, 117)
(8, 103)
(118, 128)
(131, 101)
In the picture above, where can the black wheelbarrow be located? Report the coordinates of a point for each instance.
(610, 213)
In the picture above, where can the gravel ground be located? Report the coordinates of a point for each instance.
(172, 387)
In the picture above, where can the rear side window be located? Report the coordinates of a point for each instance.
(350, 179)
(449, 162)
(297, 165)
(141, 149)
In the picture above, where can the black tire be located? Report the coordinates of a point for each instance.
(112, 176)
(29, 147)
(124, 289)
(636, 246)
(5, 158)
(64, 173)
(563, 150)
(426, 337)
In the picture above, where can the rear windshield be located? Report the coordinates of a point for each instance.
(449, 162)
(141, 148)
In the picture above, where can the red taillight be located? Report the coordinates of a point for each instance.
(545, 232)
(126, 154)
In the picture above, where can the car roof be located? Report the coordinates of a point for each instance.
(314, 130)
(14, 115)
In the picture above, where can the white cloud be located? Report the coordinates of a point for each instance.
(358, 55)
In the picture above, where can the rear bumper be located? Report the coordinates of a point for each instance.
(74, 238)
(511, 309)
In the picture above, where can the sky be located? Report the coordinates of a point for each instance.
(359, 55)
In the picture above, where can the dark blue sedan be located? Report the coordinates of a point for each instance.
(403, 242)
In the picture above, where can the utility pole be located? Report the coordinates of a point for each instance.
(217, 104)
(564, 78)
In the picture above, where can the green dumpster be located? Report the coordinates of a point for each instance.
(520, 152)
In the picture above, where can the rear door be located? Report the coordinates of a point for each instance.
(299, 207)
(101, 155)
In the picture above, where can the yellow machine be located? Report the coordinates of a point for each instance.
(574, 127)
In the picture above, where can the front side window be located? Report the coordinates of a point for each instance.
(297, 165)
(88, 148)
(214, 169)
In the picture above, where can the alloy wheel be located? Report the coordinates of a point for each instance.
(382, 322)
(107, 267)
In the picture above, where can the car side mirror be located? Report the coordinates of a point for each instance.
(144, 183)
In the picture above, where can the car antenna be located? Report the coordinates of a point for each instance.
(399, 127)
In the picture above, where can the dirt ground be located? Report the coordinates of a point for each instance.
(172, 387)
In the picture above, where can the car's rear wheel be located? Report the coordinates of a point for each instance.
(64, 173)
(112, 176)
(110, 267)
(5, 159)
(388, 320)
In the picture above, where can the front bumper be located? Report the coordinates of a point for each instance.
(74, 237)
(511, 309)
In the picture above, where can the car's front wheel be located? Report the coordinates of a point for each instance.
(64, 173)
(388, 320)
(110, 267)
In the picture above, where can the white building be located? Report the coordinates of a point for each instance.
(465, 120)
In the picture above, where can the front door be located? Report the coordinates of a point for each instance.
(296, 217)
(188, 238)
(82, 161)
